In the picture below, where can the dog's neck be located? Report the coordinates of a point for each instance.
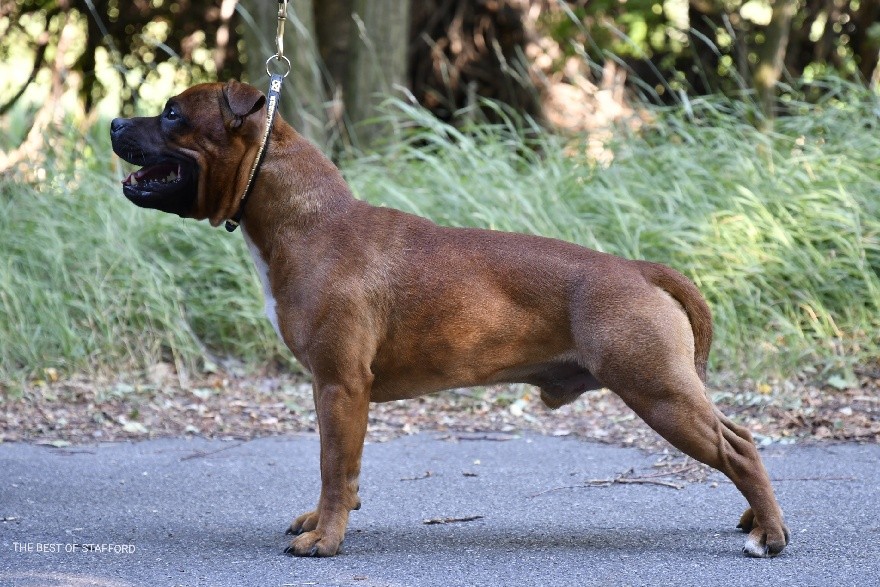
(306, 190)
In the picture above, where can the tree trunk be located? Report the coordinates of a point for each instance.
(771, 55)
(377, 63)
(863, 40)
(800, 47)
(302, 95)
(704, 18)
(333, 24)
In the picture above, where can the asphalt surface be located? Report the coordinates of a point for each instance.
(198, 512)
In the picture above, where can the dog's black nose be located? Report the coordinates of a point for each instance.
(117, 124)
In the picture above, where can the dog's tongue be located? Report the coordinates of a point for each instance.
(162, 172)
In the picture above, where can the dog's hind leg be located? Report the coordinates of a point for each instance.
(648, 362)
(747, 520)
(684, 417)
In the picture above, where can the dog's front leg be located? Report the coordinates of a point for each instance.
(342, 420)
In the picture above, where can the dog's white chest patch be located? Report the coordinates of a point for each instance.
(263, 272)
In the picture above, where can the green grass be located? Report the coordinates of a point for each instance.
(89, 282)
(780, 230)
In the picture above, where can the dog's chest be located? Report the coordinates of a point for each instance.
(263, 273)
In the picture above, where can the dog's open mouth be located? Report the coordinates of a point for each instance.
(159, 178)
(168, 185)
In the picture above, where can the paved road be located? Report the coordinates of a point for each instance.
(197, 512)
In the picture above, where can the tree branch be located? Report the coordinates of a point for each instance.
(39, 56)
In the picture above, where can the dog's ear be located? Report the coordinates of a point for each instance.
(243, 100)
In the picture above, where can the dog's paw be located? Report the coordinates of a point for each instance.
(761, 544)
(305, 523)
(314, 543)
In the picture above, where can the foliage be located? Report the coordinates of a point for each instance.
(132, 40)
(462, 50)
(711, 46)
(458, 50)
(780, 230)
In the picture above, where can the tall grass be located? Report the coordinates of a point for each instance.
(90, 282)
(780, 230)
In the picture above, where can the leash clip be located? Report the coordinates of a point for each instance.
(279, 36)
(279, 41)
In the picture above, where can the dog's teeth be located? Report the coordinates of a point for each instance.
(172, 176)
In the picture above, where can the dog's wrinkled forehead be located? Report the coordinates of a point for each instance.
(215, 109)
(200, 107)
(203, 100)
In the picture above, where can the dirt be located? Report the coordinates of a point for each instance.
(77, 410)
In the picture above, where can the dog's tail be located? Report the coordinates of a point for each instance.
(685, 293)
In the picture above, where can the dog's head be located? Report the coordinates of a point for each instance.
(196, 156)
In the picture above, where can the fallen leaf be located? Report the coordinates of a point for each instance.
(134, 428)
(56, 443)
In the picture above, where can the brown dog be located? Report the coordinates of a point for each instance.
(380, 305)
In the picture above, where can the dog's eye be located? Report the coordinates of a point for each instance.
(171, 114)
